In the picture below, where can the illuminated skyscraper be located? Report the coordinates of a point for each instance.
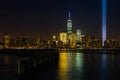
(63, 37)
(69, 27)
(6, 40)
(54, 38)
(73, 40)
(79, 36)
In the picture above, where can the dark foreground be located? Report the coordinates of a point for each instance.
(72, 65)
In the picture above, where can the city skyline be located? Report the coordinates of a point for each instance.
(40, 18)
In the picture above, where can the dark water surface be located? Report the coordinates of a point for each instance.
(71, 66)
(8, 67)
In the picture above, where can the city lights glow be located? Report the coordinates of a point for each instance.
(103, 21)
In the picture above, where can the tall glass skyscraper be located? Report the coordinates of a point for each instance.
(69, 27)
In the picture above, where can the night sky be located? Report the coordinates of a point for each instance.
(43, 18)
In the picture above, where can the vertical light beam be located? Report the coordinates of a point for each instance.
(103, 21)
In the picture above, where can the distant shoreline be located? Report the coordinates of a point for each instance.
(94, 51)
(74, 49)
(42, 51)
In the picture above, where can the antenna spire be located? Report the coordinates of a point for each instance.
(69, 15)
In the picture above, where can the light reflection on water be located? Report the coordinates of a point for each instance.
(63, 66)
(88, 66)
(103, 66)
(71, 66)
(70, 63)
(6, 59)
(8, 67)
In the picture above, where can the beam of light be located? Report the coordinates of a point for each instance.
(103, 21)
(69, 15)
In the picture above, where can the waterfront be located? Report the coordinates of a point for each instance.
(72, 65)
(81, 66)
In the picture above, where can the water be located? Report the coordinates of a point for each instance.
(71, 66)
(9, 67)
(88, 66)
(81, 66)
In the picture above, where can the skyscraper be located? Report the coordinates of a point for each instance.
(6, 40)
(63, 37)
(69, 27)
(78, 35)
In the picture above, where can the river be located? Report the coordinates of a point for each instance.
(72, 65)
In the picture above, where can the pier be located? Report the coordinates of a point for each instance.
(29, 60)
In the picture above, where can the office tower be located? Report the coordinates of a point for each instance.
(6, 40)
(73, 40)
(63, 37)
(69, 27)
(78, 35)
